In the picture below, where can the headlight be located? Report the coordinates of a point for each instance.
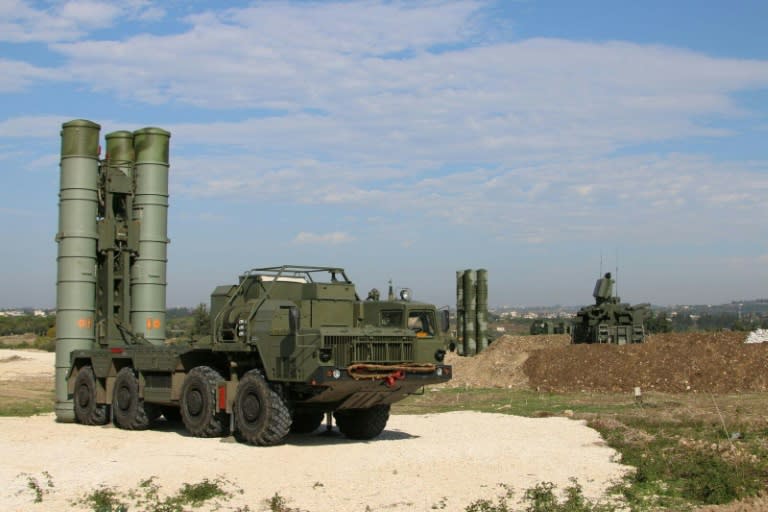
(439, 371)
(439, 355)
(336, 373)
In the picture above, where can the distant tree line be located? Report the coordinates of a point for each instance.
(660, 321)
(196, 321)
(184, 322)
(39, 325)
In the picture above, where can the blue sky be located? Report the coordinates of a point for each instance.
(408, 140)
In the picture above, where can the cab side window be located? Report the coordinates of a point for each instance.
(422, 323)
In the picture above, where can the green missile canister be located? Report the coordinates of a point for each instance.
(482, 309)
(460, 310)
(470, 305)
(150, 209)
(117, 238)
(76, 261)
(120, 152)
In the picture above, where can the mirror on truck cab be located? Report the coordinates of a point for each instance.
(445, 320)
(294, 320)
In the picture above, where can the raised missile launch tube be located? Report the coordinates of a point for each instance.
(120, 151)
(470, 304)
(150, 208)
(76, 261)
(482, 309)
(115, 268)
(460, 310)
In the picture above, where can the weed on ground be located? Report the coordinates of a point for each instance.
(147, 497)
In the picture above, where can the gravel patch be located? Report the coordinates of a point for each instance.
(417, 462)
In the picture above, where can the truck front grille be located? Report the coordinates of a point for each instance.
(369, 349)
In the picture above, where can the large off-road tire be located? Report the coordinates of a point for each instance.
(199, 412)
(306, 422)
(261, 416)
(87, 410)
(362, 423)
(127, 406)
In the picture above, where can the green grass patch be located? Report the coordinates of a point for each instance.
(25, 408)
(516, 402)
(147, 497)
(39, 343)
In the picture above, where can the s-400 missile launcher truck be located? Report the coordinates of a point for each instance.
(288, 344)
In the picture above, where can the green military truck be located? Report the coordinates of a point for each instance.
(289, 344)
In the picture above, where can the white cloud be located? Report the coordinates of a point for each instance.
(334, 238)
(30, 21)
(370, 117)
(17, 75)
(32, 126)
(88, 13)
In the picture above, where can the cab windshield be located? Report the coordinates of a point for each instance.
(392, 318)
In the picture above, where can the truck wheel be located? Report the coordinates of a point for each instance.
(127, 406)
(198, 407)
(306, 422)
(362, 423)
(87, 410)
(261, 416)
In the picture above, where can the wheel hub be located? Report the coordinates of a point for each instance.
(83, 396)
(194, 402)
(124, 398)
(251, 407)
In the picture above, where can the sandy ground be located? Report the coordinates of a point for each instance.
(419, 462)
(26, 364)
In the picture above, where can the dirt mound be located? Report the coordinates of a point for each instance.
(676, 362)
(501, 364)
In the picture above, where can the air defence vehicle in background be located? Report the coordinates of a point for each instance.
(609, 320)
(540, 326)
(289, 344)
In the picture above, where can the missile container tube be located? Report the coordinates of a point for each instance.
(471, 311)
(76, 262)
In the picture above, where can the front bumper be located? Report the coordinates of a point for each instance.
(360, 386)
